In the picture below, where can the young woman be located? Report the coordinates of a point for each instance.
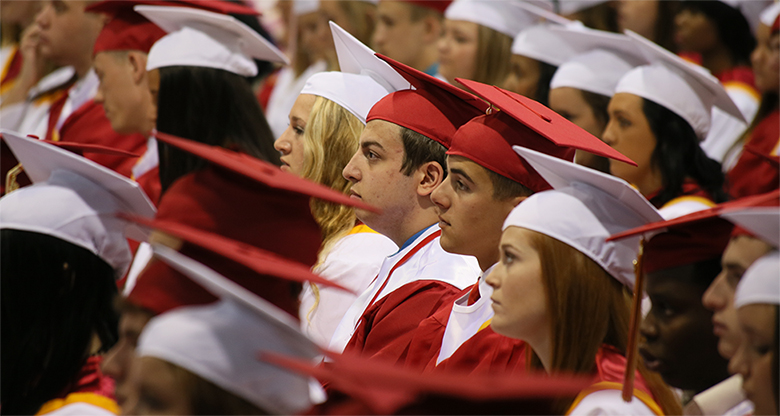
(753, 173)
(657, 118)
(562, 288)
(325, 125)
(758, 303)
(653, 19)
(201, 88)
(477, 39)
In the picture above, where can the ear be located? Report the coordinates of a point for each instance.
(517, 200)
(433, 28)
(137, 62)
(431, 175)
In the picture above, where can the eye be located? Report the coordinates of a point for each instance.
(622, 122)
(460, 185)
(507, 258)
(298, 130)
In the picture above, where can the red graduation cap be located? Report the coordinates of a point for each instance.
(382, 388)
(695, 237)
(128, 30)
(434, 109)
(438, 5)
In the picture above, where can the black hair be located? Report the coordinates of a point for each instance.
(678, 156)
(209, 106)
(546, 72)
(664, 24)
(55, 297)
(419, 150)
(732, 26)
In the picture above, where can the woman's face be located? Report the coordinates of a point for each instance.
(458, 50)
(629, 133)
(694, 31)
(523, 78)
(290, 143)
(754, 357)
(519, 298)
(638, 15)
(766, 60)
(155, 389)
(315, 35)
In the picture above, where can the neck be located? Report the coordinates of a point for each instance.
(650, 183)
(717, 60)
(428, 57)
(412, 225)
(489, 259)
(543, 350)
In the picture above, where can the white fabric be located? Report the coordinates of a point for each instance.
(220, 343)
(506, 17)
(720, 398)
(32, 115)
(148, 161)
(583, 210)
(769, 15)
(541, 43)
(88, 220)
(609, 403)
(567, 7)
(353, 262)
(80, 409)
(301, 7)
(466, 320)
(684, 205)
(284, 94)
(763, 223)
(725, 130)
(206, 39)
(761, 282)
(597, 71)
(357, 58)
(83, 91)
(429, 263)
(356, 93)
(140, 260)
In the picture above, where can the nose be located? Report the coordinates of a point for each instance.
(99, 94)
(609, 135)
(649, 327)
(113, 365)
(282, 144)
(494, 277)
(713, 298)
(42, 18)
(443, 44)
(351, 172)
(440, 196)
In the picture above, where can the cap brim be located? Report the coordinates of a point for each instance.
(721, 210)
(224, 288)
(656, 53)
(262, 172)
(261, 261)
(172, 19)
(545, 14)
(763, 223)
(40, 159)
(583, 39)
(217, 6)
(560, 174)
(543, 120)
(357, 58)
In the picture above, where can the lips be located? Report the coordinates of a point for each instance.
(353, 194)
(651, 361)
(442, 221)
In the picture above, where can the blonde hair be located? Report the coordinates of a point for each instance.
(330, 140)
(587, 308)
(494, 52)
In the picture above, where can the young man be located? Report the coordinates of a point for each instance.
(409, 30)
(486, 180)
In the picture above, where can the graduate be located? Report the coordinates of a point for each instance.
(64, 263)
(485, 181)
(562, 288)
(400, 161)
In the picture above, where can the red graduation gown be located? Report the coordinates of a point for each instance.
(754, 174)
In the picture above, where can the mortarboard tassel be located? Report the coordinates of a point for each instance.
(633, 326)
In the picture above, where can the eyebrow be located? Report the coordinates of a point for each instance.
(461, 173)
(371, 143)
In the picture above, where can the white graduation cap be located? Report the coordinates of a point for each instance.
(762, 222)
(601, 60)
(301, 7)
(206, 39)
(357, 58)
(541, 43)
(355, 92)
(567, 7)
(220, 342)
(74, 199)
(761, 282)
(686, 89)
(584, 208)
(507, 17)
(769, 15)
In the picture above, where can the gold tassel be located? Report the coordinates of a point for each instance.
(633, 328)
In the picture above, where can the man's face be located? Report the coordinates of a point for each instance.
(67, 33)
(124, 91)
(375, 173)
(469, 216)
(740, 253)
(118, 360)
(678, 342)
(396, 35)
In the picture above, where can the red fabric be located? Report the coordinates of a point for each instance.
(387, 327)
(742, 74)
(54, 114)
(128, 30)
(216, 6)
(689, 188)
(435, 109)
(474, 295)
(265, 90)
(89, 125)
(485, 352)
(776, 25)
(687, 244)
(91, 379)
(754, 174)
(218, 202)
(13, 68)
(150, 183)
(611, 366)
(438, 5)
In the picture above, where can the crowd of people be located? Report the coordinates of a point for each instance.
(390, 207)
